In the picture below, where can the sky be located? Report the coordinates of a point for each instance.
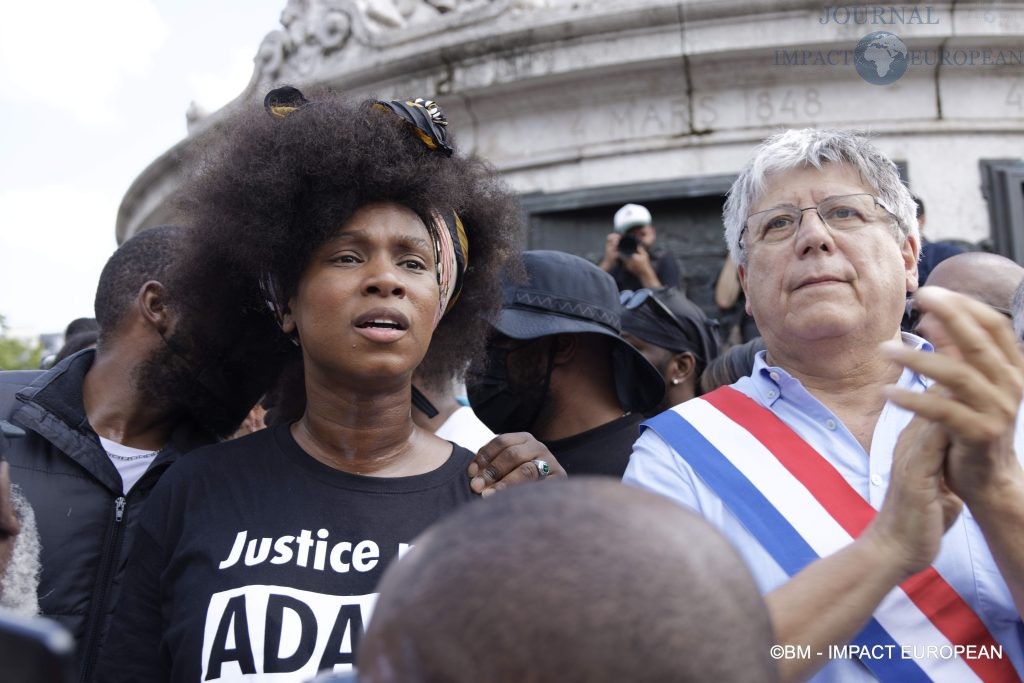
(90, 94)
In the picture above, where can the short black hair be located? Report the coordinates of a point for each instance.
(589, 566)
(79, 325)
(736, 362)
(149, 255)
(278, 188)
(75, 343)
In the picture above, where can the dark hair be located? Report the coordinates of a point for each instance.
(920, 205)
(76, 343)
(79, 325)
(737, 362)
(694, 333)
(149, 255)
(278, 188)
(221, 354)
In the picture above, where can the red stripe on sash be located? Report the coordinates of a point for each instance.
(952, 616)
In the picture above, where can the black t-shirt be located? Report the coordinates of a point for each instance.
(602, 450)
(254, 558)
(662, 262)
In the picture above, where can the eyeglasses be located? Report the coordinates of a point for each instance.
(632, 300)
(842, 213)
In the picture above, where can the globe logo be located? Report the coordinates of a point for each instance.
(881, 58)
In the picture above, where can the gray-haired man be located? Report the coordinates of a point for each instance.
(839, 468)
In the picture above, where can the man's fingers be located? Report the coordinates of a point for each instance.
(982, 335)
(955, 417)
(492, 448)
(498, 458)
(920, 450)
(522, 474)
(964, 381)
(510, 459)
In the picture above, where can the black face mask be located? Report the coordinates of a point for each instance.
(499, 404)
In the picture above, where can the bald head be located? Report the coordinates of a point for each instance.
(1018, 312)
(989, 278)
(582, 580)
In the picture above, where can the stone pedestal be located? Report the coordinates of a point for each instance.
(586, 104)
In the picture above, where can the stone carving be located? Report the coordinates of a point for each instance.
(313, 31)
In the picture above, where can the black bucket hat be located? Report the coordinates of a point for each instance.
(565, 294)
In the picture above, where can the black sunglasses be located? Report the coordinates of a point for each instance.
(632, 300)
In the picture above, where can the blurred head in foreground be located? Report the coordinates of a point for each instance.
(583, 580)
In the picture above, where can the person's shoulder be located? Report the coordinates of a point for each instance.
(940, 248)
(947, 249)
(227, 454)
(15, 380)
(22, 377)
(462, 455)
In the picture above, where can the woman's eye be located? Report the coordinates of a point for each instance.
(345, 258)
(414, 264)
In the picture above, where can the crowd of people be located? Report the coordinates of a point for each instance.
(263, 468)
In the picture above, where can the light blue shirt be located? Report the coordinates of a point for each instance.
(964, 559)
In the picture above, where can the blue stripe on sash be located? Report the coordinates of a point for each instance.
(773, 531)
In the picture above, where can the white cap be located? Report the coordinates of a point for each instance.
(631, 216)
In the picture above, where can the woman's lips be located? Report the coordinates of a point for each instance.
(382, 325)
(381, 335)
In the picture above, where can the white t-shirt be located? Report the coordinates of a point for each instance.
(130, 462)
(465, 429)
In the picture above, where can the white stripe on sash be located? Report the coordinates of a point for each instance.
(897, 614)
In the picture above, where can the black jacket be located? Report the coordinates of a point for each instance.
(86, 523)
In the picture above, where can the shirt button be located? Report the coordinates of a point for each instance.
(771, 394)
(876, 479)
(774, 376)
(831, 424)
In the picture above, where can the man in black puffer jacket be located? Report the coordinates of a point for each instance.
(168, 375)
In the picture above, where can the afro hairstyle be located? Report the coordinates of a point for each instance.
(278, 188)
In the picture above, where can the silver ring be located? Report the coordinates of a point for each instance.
(543, 468)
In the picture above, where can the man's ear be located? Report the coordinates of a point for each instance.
(153, 302)
(910, 250)
(741, 270)
(681, 367)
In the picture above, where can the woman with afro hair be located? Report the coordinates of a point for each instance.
(377, 250)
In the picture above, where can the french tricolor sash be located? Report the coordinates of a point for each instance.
(800, 508)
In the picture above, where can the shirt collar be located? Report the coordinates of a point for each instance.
(771, 382)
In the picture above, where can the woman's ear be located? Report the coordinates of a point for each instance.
(682, 367)
(288, 325)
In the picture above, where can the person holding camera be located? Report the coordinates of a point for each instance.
(632, 257)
